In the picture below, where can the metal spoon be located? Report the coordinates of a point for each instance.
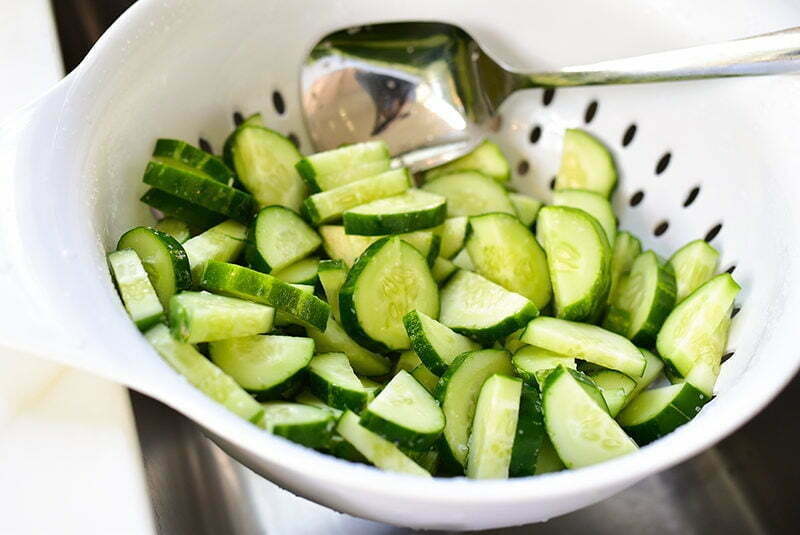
(430, 92)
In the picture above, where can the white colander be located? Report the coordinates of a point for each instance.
(707, 158)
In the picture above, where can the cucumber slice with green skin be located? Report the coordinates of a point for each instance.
(427, 459)
(694, 264)
(586, 342)
(134, 286)
(332, 274)
(426, 378)
(305, 271)
(487, 158)
(626, 248)
(616, 388)
(404, 413)
(504, 251)
(174, 227)
(413, 210)
(172, 206)
(581, 431)
(534, 364)
(307, 398)
(408, 361)
(227, 149)
(348, 247)
(652, 371)
(659, 411)
(264, 161)
(436, 344)
(278, 238)
(189, 184)
(454, 231)
(592, 203)
(463, 261)
(389, 280)
(163, 258)
(268, 366)
(644, 299)
(338, 167)
(204, 375)
(282, 319)
(379, 451)
(512, 342)
(299, 423)
(193, 157)
(223, 242)
(330, 205)
(548, 460)
(442, 269)
(494, 427)
(696, 331)
(527, 208)
(196, 317)
(579, 259)
(335, 339)
(342, 449)
(586, 163)
(244, 283)
(482, 310)
(373, 388)
(530, 434)
(471, 193)
(332, 379)
(458, 391)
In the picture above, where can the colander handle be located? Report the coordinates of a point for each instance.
(771, 53)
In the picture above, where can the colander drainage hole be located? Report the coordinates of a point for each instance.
(713, 232)
(727, 355)
(522, 167)
(691, 197)
(661, 228)
(278, 102)
(591, 111)
(548, 96)
(205, 145)
(730, 269)
(663, 163)
(735, 311)
(553, 183)
(238, 118)
(636, 198)
(627, 137)
(536, 133)
(291, 136)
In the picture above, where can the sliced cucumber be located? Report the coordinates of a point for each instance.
(332, 274)
(348, 247)
(454, 230)
(458, 392)
(194, 157)
(174, 227)
(616, 388)
(196, 187)
(471, 193)
(196, 317)
(592, 203)
(307, 398)
(172, 206)
(306, 425)
(278, 238)
(694, 265)
(579, 259)
(223, 243)
(586, 342)
(512, 342)
(408, 361)
(526, 208)
(282, 319)
(163, 259)
(331, 379)
(626, 248)
(335, 339)
(548, 460)
(204, 375)
(254, 119)
(442, 269)
(377, 449)
(134, 286)
(486, 158)
(413, 210)
(244, 283)
(268, 366)
(389, 280)
(463, 261)
(305, 271)
(586, 163)
(338, 167)
(652, 370)
(404, 413)
(696, 331)
(494, 427)
(644, 299)
(504, 251)
(581, 431)
(264, 161)
(436, 344)
(373, 388)
(659, 411)
(426, 378)
(330, 205)
(484, 311)
(530, 434)
(534, 364)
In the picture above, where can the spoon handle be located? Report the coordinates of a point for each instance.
(769, 53)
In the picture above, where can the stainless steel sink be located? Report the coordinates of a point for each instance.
(750, 483)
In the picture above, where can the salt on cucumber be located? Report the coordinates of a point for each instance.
(436, 344)
(486, 158)
(659, 411)
(586, 163)
(331, 169)
(471, 193)
(494, 427)
(277, 238)
(196, 317)
(694, 264)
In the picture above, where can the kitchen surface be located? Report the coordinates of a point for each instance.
(746, 484)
